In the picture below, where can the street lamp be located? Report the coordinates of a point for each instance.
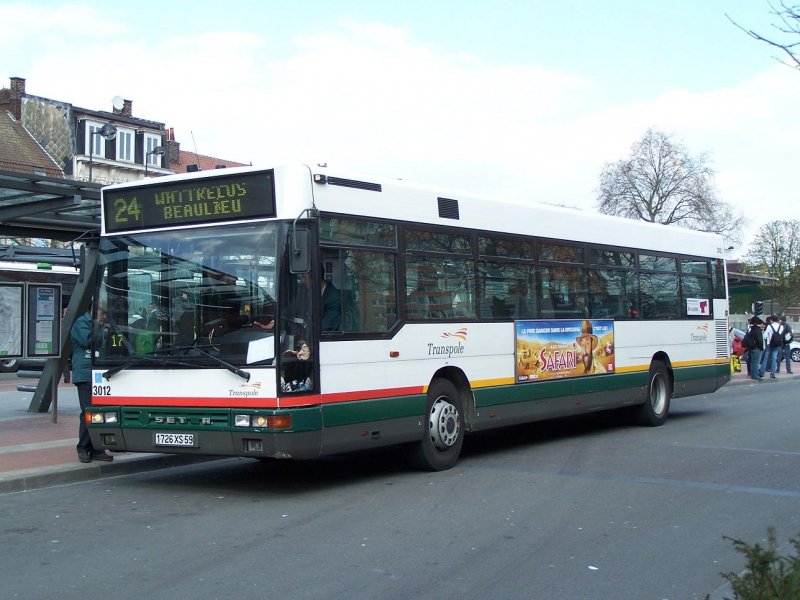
(157, 151)
(107, 132)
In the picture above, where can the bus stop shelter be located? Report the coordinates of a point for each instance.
(34, 206)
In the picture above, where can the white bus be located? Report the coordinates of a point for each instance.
(294, 313)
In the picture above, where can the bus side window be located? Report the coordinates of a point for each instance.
(351, 310)
(366, 281)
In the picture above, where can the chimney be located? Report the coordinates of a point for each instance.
(17, 87)
(126, 110)
(17, 92)
(173, 148)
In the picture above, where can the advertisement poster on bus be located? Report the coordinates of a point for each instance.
(548, 349)
(698, 307)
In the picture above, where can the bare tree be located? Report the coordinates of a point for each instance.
(775, 251)
(788, 27)
(661, 183)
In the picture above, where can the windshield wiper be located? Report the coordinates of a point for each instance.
(144, 359)
(164, 361)
(235, 370)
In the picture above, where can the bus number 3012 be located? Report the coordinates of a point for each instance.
(101, 390)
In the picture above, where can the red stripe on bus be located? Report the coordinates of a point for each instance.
(351, 396)
(183, 401)
(239, 402)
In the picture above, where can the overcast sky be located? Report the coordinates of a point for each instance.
(525, 99)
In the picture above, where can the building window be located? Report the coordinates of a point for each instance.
(95, 143)
(150, 143)
(125, 145)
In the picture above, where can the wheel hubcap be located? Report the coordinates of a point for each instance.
(443, 425)
(658, 395)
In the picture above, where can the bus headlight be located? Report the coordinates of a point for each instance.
(265, 421)
(100, 417)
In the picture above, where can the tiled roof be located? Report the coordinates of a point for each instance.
(205, 163)
(21, 153)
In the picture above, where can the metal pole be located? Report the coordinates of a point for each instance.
(91, 148)
(54, 383)
(772, 299)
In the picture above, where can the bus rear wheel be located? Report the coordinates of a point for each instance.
(444, 428)
(654, 411)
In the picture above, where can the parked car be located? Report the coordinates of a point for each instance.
(736, 342)
(795, 351)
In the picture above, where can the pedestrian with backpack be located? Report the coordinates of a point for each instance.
(773, 344)
(754, 342)
(786, 351)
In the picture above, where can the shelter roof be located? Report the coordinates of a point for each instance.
(39, 206)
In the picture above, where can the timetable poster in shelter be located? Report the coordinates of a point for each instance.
(560, 349)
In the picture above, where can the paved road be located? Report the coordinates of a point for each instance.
(583, 508)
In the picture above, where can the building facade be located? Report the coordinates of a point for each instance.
(83, 144)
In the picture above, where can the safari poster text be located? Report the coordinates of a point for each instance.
(559, 349)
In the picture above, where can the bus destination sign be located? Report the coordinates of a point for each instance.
(189, 202)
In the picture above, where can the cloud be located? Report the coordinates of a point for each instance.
(370, 95)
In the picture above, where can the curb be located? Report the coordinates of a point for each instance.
(37, 478)
(744, 378)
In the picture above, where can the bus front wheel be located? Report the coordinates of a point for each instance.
(444, 428)
(659, 391)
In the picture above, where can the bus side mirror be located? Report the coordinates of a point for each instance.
(299, 251)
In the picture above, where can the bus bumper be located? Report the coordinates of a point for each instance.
(137, 432)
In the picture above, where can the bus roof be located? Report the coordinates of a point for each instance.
(346, 193)
(407, 201)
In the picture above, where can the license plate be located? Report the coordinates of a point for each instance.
(175, 439)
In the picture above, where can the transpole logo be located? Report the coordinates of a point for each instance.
(246, 390)
(460, 334)
(700, 334)
(456, 346)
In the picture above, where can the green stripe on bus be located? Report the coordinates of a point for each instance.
(525, 392)
(702, 372)
(347, 413)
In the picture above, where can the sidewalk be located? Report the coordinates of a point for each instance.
(744, 377)
(35, 452)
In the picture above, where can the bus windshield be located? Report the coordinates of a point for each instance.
(191, 296)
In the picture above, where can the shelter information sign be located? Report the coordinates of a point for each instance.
(12, 323)
(44, 320)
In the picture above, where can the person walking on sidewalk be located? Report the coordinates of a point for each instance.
(81, 335)
(786, 351)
